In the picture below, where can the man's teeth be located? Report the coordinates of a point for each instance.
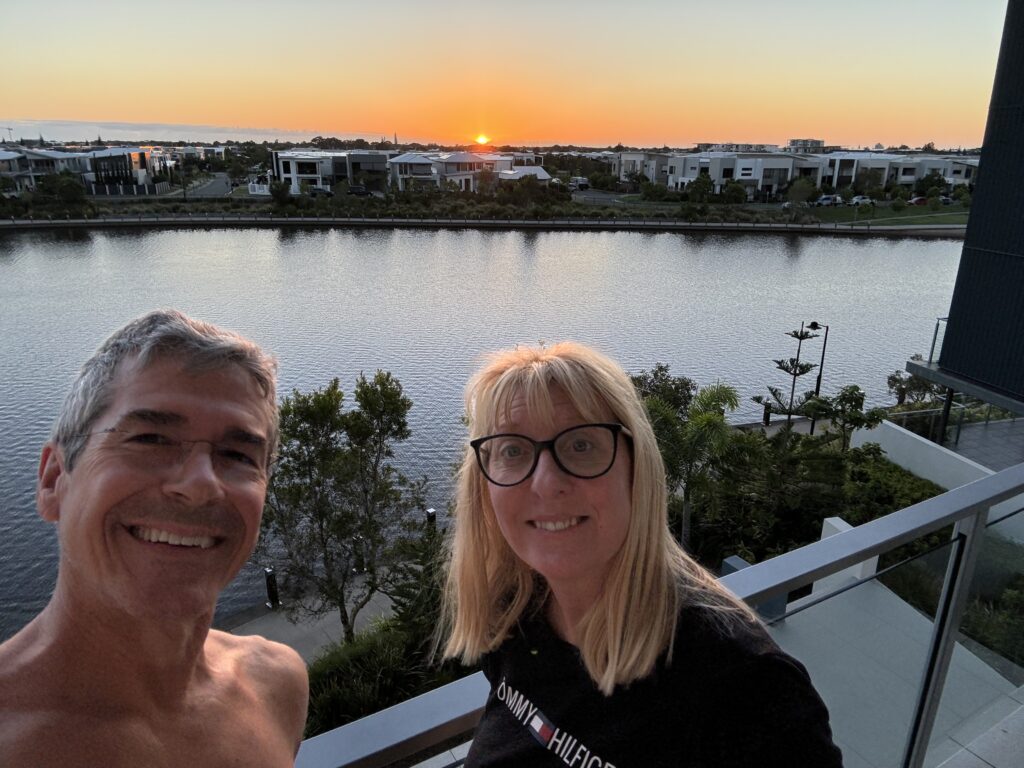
(156, 536)
(553, 525)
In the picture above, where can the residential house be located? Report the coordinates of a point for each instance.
(653, 166)
(325, 168)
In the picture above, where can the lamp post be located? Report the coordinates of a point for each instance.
(814, 325)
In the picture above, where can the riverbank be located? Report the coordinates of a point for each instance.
(624, 224)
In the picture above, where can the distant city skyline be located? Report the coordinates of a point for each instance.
(531, 73)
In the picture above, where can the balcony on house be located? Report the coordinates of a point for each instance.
(905, 650)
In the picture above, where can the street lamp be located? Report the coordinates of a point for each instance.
(814, 325)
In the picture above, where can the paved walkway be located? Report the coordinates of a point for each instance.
(310, 637)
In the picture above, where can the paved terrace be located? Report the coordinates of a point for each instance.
(997, 445)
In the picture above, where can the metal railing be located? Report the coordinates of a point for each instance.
(937, 338)
(428, 720)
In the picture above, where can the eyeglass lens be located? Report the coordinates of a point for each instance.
(586, 451)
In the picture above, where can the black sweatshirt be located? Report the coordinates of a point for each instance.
(724, 702)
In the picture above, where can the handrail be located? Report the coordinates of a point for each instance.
(419, 723)
(399, 731)
(810, 563)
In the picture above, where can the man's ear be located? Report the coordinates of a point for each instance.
(51, 478)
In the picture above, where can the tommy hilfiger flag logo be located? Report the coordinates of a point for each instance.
(541, 728)
(550, 737)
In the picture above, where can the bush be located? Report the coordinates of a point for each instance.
(965, 201)
(899, 204)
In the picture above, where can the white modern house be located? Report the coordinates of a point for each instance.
(653, 165)
(324, 168)
(415, 169)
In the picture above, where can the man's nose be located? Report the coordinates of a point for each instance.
(194, 479)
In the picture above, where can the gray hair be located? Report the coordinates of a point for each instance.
(162, 333)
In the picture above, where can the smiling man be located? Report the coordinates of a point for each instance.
(155, 477)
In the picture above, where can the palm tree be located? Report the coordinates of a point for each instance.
(703, 438)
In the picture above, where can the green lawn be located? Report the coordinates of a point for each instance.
(912, 214)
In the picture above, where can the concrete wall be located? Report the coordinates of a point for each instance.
(920, 456)
(940, 465)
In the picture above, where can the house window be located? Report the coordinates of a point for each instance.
(907, 172)
(967, 173)
(306, 169)
(727, 173)
(957, 172)
(286, 166)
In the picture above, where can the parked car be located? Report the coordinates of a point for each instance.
(918, 200)
(827, 200)
(320, 192)
(861, 200)
(788, 205)
(946, 200)
(358, 189)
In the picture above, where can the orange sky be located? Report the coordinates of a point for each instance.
(645, 72)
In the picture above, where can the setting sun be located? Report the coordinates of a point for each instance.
(481, 139)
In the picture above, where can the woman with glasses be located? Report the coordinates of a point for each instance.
(604, 643)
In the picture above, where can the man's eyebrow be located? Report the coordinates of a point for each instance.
(245, 436)
(149, 416)
(171, 419)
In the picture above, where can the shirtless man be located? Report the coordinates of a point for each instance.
(155, 477)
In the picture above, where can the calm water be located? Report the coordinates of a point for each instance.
(426, 305)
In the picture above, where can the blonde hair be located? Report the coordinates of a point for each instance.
(488, 587)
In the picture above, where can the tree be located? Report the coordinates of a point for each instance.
(932, 180)
(734, 193)
(690, 428)
(280, 193)
(906, 387)
(60, 189)
(336, 504)
(653, 192)
(486, 181)
(675, 391)
(845, 411)
(794, 368)
(700, 189)
(867, 180)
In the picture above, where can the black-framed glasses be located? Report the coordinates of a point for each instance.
(149, 449)
(585, 451)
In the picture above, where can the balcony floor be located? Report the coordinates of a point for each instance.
(997, 445)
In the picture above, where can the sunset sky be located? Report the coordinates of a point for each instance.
(529, 72)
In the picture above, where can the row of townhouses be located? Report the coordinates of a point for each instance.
(765, 170)
(766, 174)
(402, 170)
(99, 168)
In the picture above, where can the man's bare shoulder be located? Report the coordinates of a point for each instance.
(275, 673)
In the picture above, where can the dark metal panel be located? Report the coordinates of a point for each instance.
(984, 338)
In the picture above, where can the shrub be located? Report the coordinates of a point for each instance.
(899, 204)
